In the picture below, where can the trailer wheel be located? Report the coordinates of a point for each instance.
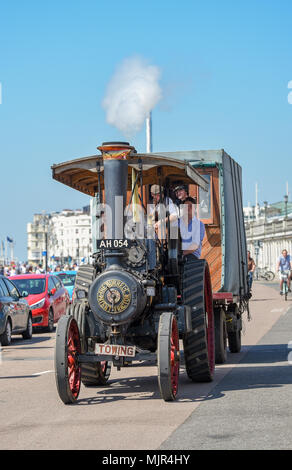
(199, 347)
(220, 336)
(234, 335)
(67, 369)
(168, 356)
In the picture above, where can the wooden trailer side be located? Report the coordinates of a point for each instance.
(212, 242)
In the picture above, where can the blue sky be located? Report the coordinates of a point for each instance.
(225, 68)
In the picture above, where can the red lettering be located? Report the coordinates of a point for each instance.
(130, 351)
(107, 349)
(124, 350)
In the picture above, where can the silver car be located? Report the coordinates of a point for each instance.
(15, 314)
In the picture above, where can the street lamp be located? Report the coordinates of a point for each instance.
(266, 209)
(286, 204)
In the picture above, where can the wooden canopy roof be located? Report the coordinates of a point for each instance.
(82, 173)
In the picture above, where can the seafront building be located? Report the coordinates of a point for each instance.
(59, 238)
(268, 232)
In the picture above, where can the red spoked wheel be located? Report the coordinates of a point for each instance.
(168, 356)
(67, 368)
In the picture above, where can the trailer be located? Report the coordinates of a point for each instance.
(224, 245)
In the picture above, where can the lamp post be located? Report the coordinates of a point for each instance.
(266, 209)
(286, 206)
(45, 219)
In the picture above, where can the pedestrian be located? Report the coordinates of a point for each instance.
(284, 266)
(250, 268)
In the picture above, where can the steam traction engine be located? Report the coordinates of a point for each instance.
(140, 296)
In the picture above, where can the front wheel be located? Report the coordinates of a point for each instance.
(67, 369)
(168, 356)
(5, 338)
(270, 276)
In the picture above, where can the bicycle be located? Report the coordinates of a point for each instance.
(264, 273)
(284, 275)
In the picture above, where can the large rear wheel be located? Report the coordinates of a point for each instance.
(67, 369)
(95, 374)
(168, 356)
(199, 342)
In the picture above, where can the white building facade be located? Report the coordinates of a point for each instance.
(60, 238)
(268, 234)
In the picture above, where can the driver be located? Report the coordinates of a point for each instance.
(156, 214)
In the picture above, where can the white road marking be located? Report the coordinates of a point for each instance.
(44, 372)
(277, 310)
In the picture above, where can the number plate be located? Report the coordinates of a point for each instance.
(115, 350)
(112, 243)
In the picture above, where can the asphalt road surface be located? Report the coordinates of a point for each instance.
(247, 406)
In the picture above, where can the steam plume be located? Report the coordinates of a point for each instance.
(131, 94)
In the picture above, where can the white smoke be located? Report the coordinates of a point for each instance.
(132, 93)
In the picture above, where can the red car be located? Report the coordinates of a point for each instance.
(47, 297)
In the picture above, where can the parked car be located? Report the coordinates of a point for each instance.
(68, 279)
(47, 297)
(15, 313)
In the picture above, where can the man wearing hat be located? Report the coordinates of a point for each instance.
(181, 192)
(182, 195)
(157, 193)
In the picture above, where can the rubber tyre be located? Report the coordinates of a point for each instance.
(50, 327)
(270, 276)
(199, 343)
(220, 336)
(168, 356)
(95, 374)
(5, 338)
(234, 341)
(67, 369)
(27, 334)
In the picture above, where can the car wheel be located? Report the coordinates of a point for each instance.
(5, 338)
(27, 334)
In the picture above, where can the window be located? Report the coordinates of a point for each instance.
(57, 282)
(205, 201)
(51, 284)
(4, 288)
(1, 291)
(32, 286)
(12, 289)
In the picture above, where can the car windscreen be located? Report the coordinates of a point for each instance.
(32, 286)
(67, 279)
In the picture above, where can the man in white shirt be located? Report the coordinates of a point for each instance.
(159, 210)
(190, 229)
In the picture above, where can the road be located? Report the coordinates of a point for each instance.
(247, 406)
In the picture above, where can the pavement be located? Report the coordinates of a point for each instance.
(247, 406)
(250, 408)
